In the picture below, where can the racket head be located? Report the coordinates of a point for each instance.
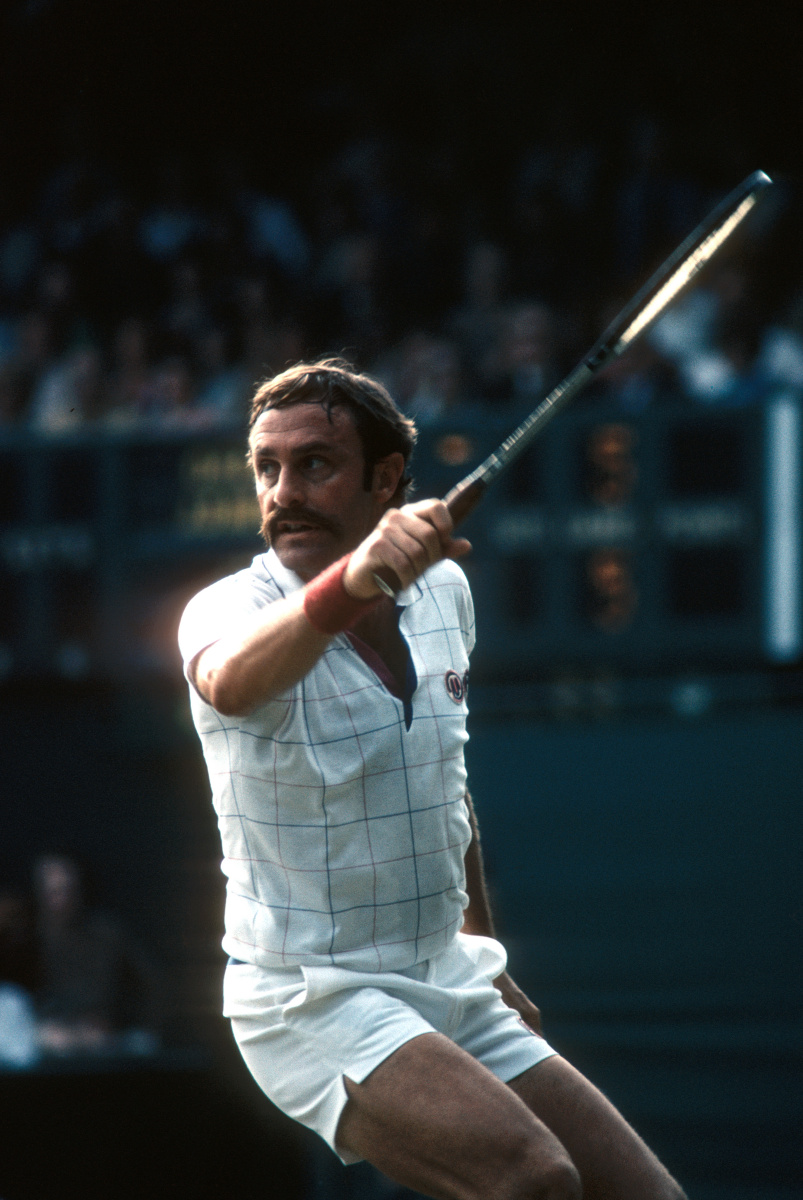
(660, 290)
(675, 273)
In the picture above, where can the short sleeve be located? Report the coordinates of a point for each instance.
(448, 573)
(467, 623)
(216, 610)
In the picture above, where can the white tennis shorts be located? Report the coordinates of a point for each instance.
(301, 1029)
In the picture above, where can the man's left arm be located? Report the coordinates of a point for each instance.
(478, 920)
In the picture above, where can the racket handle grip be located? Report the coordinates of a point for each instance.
(460, 501)
(464, 498)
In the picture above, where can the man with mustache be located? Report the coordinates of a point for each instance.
(366, 991)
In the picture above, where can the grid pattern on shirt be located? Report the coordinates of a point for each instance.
(344, 832)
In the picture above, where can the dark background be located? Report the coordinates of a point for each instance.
(261, 77)
(646, 879)
(284, 85)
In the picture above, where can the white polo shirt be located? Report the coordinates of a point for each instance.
(341, 808)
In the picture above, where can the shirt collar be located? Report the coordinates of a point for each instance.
(270, 564)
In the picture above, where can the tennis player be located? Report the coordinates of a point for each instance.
(365, 988)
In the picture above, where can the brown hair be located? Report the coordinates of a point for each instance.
(333, 382)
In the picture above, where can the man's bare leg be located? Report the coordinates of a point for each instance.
(613, 1161)
(434, 1119)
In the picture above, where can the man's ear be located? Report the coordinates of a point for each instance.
(387, 475)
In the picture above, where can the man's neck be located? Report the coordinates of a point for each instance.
(379, 629)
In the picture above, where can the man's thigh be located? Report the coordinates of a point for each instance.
(613, 1161)
(433, 1118)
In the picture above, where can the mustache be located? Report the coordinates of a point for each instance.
(308, 515)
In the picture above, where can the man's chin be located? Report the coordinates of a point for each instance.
(306, 554)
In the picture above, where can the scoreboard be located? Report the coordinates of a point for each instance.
(667, 541)
(663, 542)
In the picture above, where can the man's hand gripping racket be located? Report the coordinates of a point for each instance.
(660, 291)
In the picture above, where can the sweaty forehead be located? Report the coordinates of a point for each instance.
(308, 421)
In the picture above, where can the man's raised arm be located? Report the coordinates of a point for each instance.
(266, 654)
(279, 645)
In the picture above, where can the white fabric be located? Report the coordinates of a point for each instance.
(343, 830)
(301, 1029)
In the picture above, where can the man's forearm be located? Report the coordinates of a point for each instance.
(260, 659)
(477, 919)
(277, 648)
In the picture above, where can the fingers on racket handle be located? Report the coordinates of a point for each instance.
(462, 499)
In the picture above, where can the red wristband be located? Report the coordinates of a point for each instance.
(328, 606)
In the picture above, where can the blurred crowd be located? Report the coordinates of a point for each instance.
(160, 304)
(73, 981)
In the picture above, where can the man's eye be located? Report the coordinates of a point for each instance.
(267, 468)
(315, 462)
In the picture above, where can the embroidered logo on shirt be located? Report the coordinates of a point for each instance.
(455, 686)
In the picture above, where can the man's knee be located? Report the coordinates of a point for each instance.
(559, 1181)
(533, 1174)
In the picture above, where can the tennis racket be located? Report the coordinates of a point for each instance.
(647, 305)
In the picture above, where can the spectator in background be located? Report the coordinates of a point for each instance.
(57, 300)
(642, 377)
(18, 980)
(423, 374)
(712, 339)
(654, 207)
(117, 277)
(638, 379)
(540, 236)
(173, 224)
(97, 991)
(172, 397)
(269, 343)
(780, 354)
(394, 239)
(525, 364)
(32, 359)
(348, 291)
(70, 394)
(781, 357)
(349, 296)
(128, 385)
(478, 323)
(272, 231)
(223, 384)
(186, 315)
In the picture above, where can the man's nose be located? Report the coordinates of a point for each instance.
(289, 489)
